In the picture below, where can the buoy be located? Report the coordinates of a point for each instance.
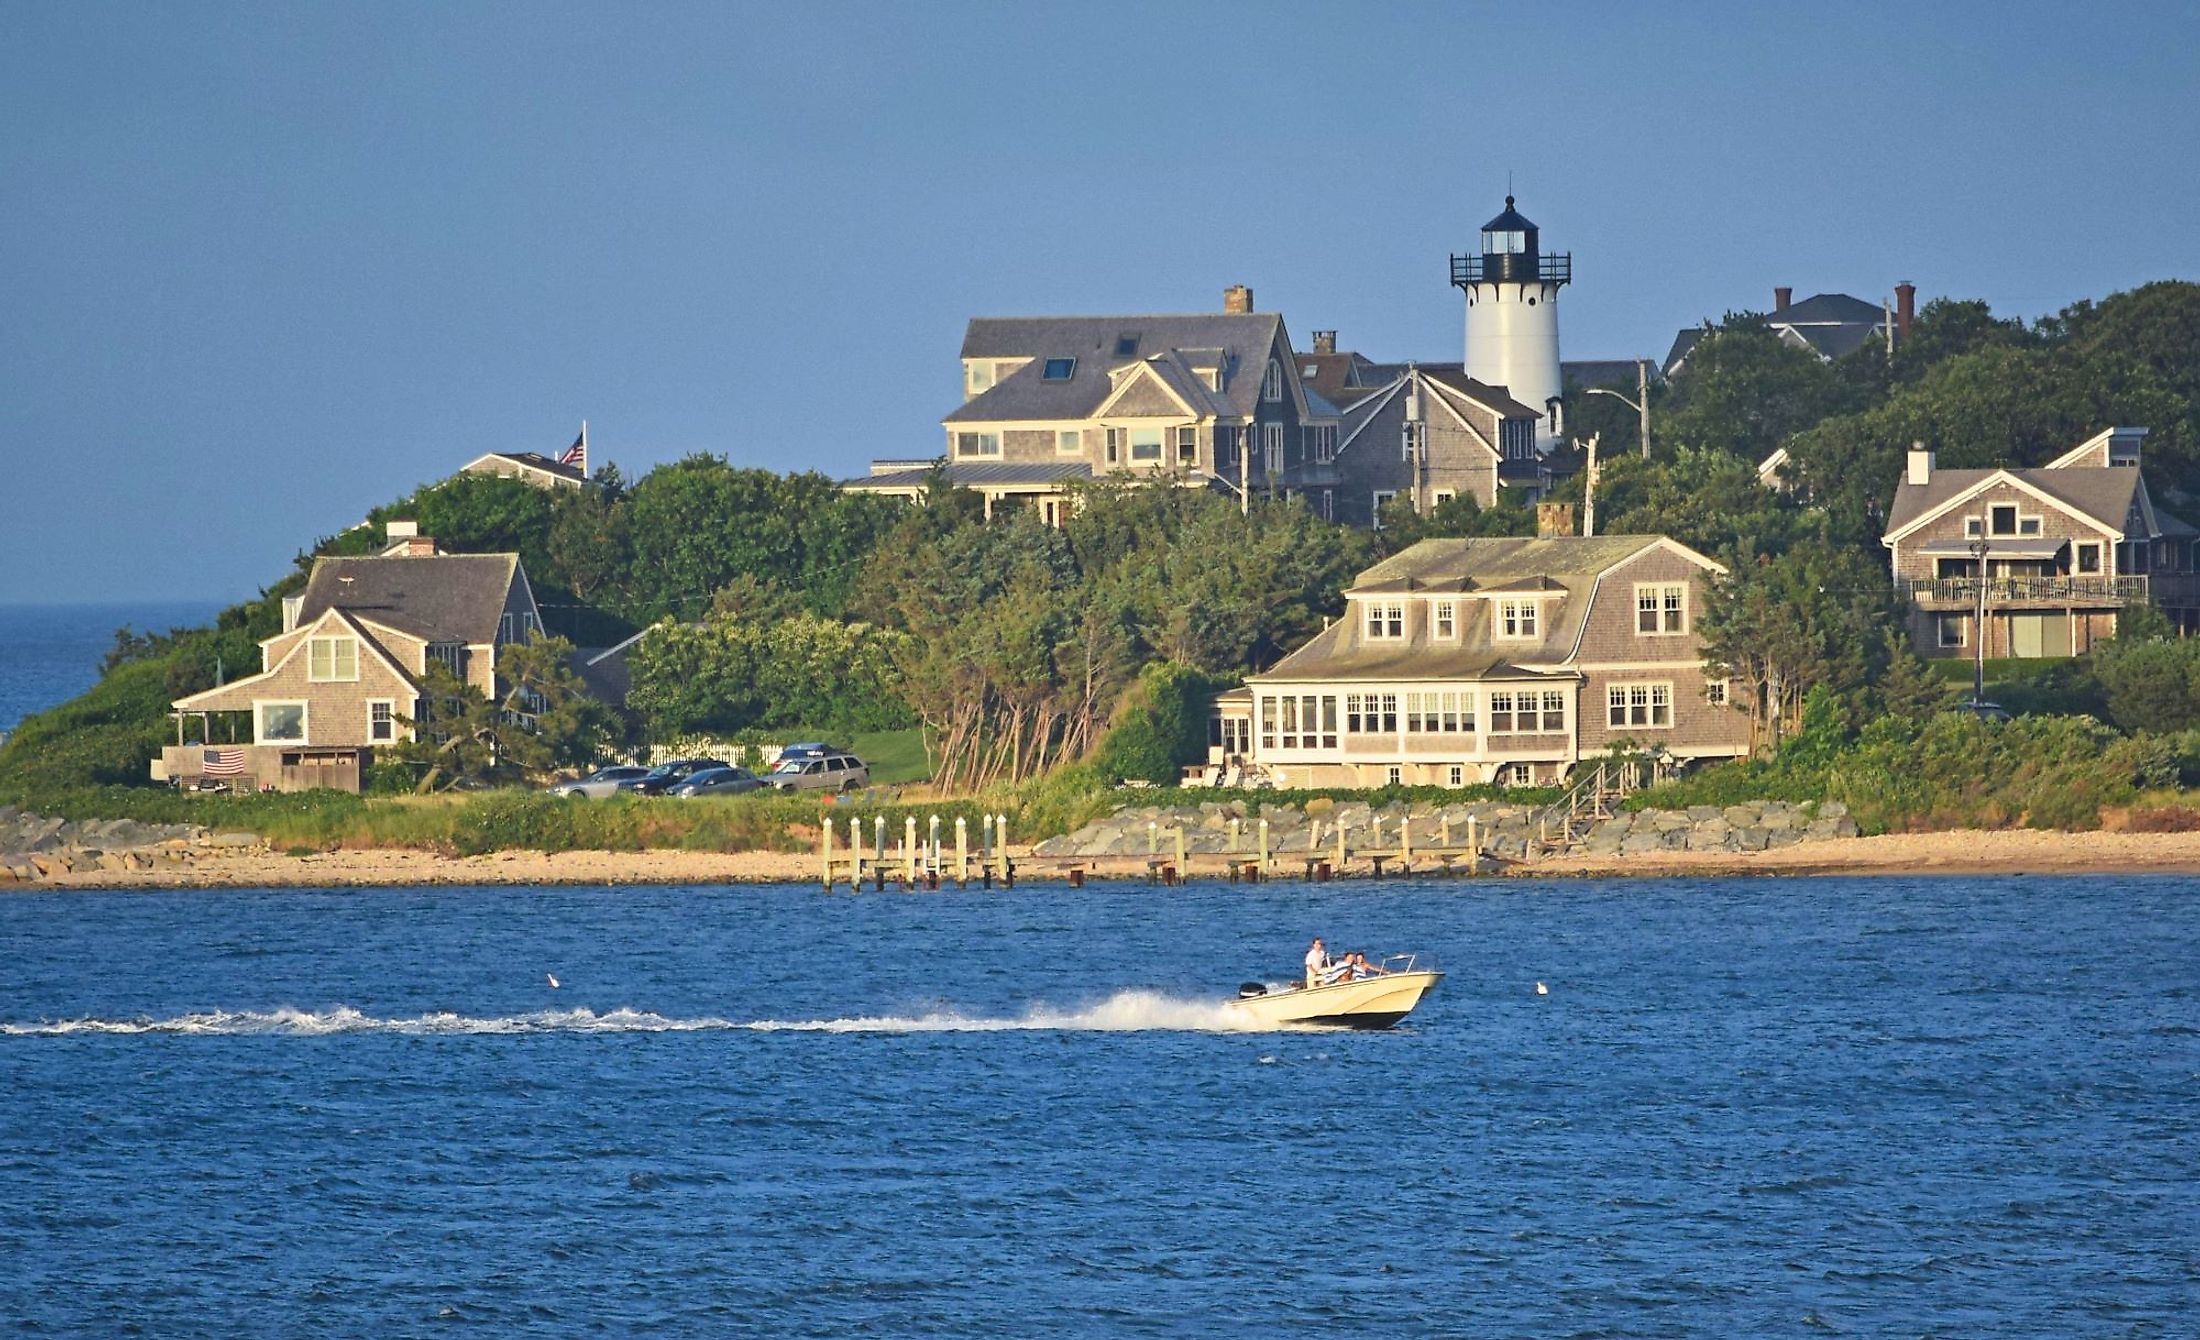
(553, 980)
(1540, 989)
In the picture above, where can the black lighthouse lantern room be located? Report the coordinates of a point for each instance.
(1511, 254)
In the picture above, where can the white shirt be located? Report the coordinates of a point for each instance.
(1316, 961)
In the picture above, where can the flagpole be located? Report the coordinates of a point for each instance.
(584, 446)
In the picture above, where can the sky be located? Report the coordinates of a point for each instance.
(266, 267)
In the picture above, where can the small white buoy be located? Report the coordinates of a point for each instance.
(554, 980)
(1540, 989)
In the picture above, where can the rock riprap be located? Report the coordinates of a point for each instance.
(38, 847)
(1503, 830)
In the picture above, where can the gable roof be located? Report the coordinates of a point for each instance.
(1491, 562)
(1237, 342)
(974, 474)
(531, 460)
(2103, 495)
(440, 598)
(1829, 309)
(1831, 341)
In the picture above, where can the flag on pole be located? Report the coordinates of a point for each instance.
(577, 454)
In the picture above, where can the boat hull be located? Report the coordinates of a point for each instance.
(1373, 1002)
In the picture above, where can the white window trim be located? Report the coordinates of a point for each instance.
(1176, 445)
(1131, 444)
(1687, 614)
(1962, 624)
(1435, 623)
(395, 725)
(1534, 607)
(2100, 551)
(1375, 505)
(1069, 442)
(1271, 384)
(962, 455)
(305, 719)
(1650, 705)
(1271, 446)
(333, 639)
(1719, 692)
(1378, 615)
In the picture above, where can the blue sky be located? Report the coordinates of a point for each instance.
(268, 266)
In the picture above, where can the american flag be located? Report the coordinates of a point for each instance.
(577, 454)
(223, 763)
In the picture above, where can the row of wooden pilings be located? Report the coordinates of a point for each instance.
(927, 863)
(917, 864)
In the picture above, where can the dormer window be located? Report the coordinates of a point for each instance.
(1386, 623)
(1058, 370)
(1446, 620)
(1517, 620)
(981, 377)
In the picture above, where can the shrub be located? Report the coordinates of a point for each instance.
(1163, 727)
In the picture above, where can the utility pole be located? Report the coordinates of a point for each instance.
(1642, 401)
(1978, 630)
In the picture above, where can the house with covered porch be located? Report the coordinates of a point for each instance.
(344, 676)
(1507, 660)
(2036, 562)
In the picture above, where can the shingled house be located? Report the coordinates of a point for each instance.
(1207, 399)
(1479, 660)
(2063, 550)
(334, 683)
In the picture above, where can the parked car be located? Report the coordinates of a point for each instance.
(807, 749)
(719, 782)
(1983, 710)
(601, 783)
(662, 778)
(836, 771)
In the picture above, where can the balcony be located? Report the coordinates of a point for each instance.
(1512, 269)
(2002, 592)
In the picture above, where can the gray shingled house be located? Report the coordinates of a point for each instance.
(1200, 400)
(1478, 660)
(347, 666)
(2063, 550)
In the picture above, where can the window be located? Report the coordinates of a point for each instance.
(1516, 619)
(1714, 692)
(332, 659)
(1126, 344)
(1187, 446)
(1386, 622)
(1393, 775)
(1271, 383)
(1271, 447)
(977, 444)
(1446, 619)
(1069, 442)
(1378, 501)
(1661, 609)
(1386, 715)
(1353, 713)
(1311, 371)
(1325, 442)
(1058, 370)
(1639, 705)
(2003, 518)
(1442, 496)
(1115, 445)
(1439, 713)
(281, 722)
(1455, 776)
(1953, 629)
(1329, 504)
(1973, 528)
(981, 377)
(381, 721)
(2028, 525)
(1308, 721)
(2089, 557)
(1146, 446)
(1501, 712)
(1267, 723)
(1554, 709)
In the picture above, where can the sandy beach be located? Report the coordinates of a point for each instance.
(2019, 851)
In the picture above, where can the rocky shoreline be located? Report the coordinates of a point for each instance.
(35, 848)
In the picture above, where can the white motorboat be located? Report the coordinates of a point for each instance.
(1375, 1001)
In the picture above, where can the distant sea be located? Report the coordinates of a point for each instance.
(51, 653)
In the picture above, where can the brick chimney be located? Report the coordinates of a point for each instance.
(1905, 308)
(1553, 519)
(1781, 297)
(1325, 341)
(1920, 471)
(1237, 300)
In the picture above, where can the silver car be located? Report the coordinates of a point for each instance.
(601, 783)
(824, 772)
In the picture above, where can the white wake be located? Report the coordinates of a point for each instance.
(1123, 1012)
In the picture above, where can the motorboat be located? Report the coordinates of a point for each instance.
(1377, 1000)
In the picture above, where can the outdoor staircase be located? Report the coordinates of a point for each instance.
(1594, 797)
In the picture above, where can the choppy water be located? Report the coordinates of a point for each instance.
(1859, 1107)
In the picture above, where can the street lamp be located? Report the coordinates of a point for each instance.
(1978, 625)
(1640, 405)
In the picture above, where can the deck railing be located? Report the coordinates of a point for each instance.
(2016, 590)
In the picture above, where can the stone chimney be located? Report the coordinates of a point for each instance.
(1553, 520)
(406, 541)
(1922, 462)
(1237, 300)
(1905, 308)
(1325, 341)
(1781, 297)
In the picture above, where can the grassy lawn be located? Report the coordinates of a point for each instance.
(897, 757)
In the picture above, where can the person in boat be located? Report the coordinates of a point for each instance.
(1362, 969)
(1317, 964)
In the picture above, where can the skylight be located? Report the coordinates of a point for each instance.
(1126, 345)
(1058, 369)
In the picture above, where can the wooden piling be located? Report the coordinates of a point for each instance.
(962, 852)
(909, 849)
(1264, 842)
(826, 851)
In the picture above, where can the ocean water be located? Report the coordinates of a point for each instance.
(1852, 1107)
(51, 653)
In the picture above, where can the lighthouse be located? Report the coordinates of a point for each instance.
(1512, 315)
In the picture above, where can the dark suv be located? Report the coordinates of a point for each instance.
(662, 778)
(835, 770)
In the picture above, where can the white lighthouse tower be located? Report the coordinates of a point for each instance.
(1512, 315)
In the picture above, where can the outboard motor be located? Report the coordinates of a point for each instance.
(1248, 990)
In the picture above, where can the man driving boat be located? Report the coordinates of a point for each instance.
(1317, 963)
